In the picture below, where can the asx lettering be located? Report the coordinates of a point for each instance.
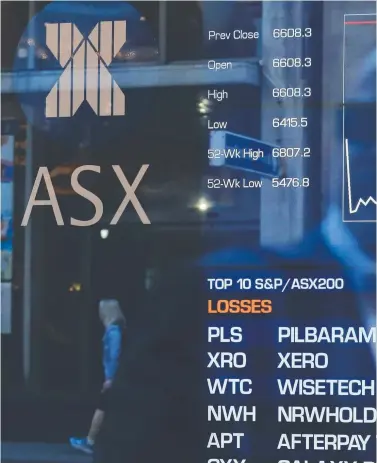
(94, 199)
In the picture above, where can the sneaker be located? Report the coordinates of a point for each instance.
(81, 444)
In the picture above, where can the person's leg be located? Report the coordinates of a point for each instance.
(95, 426)
(86, 444)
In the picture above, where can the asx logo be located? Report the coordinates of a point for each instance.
(85, 64)
(130, 196)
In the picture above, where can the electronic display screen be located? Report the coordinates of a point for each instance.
(189, 231)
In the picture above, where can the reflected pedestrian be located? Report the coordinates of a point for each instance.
(113, 320)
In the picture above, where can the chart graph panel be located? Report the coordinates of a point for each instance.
(359, 118)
